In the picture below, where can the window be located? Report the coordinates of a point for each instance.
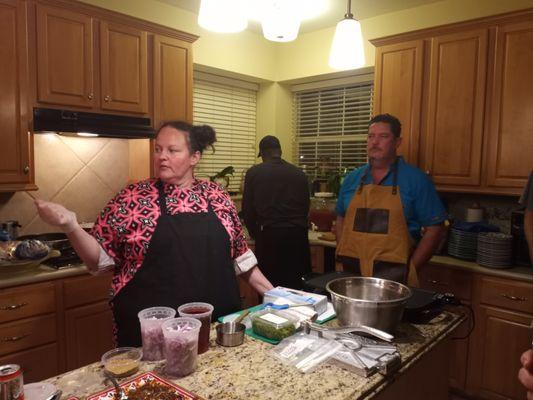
(331, 128)
(229, 106)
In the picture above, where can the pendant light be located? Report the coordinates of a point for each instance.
(223, 16)
(347, 50)
(280, 20)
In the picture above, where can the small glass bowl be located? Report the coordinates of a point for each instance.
(122, 361)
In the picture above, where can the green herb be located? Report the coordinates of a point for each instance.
(271, 332)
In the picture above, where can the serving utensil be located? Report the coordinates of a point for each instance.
(121, 395)
(308, 326)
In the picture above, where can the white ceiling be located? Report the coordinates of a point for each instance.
(336, 9)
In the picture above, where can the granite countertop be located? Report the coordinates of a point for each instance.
(249, 371)
(40, 274)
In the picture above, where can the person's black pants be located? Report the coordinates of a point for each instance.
(283, 255)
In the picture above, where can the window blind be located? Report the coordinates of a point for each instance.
(331, 129)
(231, 111)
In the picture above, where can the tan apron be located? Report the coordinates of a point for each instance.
(375, 228)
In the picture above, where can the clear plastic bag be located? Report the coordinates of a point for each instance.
(305, 351)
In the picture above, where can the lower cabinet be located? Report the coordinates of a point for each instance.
(485, 365)
(89, 334)
(52, 327)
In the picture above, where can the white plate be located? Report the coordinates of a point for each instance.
(38, 391)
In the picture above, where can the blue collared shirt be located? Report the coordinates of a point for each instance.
(421, 203)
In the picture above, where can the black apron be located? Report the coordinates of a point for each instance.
(188, 259)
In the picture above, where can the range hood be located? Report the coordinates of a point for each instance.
(47, 120)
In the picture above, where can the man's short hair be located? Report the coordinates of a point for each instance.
(394, 123)
(269, 146)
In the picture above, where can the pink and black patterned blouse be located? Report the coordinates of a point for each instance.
(125, 226)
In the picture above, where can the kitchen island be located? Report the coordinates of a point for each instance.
(251, 372)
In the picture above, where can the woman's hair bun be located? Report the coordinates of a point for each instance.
(202, 136)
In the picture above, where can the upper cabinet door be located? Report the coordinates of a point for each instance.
(510, 138)
(124, 68)
(172, 79)
(64, 57)
(454, 131)
(15, 151)
(398, 85)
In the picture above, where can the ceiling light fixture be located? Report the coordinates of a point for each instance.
(347, 49)
(280, 20)
(223, 16)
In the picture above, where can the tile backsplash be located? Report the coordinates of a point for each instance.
(80, 173)
(497, 209)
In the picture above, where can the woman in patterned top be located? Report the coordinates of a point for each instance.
(170, 240)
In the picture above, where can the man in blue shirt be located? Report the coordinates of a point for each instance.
(382, 208)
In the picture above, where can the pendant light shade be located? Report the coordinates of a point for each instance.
(280, 20)
(223, 16)
(347, 49)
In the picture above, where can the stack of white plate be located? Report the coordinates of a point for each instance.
(462, 244)
(494, 250)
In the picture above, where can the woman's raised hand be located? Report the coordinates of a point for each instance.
(56, 215)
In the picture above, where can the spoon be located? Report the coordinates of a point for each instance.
(120, 392)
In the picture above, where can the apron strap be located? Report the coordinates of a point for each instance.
(363, 178)
(395, 177)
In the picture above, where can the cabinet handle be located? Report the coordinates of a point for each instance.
(107, 98)
(14, 338)
(514, 298)
(26, 169)
(428, 172)
(13, 306)
(90, 96)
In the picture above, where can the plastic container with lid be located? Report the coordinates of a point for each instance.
(322, 210)
(273, 324)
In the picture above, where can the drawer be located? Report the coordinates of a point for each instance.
(86, 289)
(32, 332)
(504, 293)
(27, 301)
(446, 280)
(38, 363)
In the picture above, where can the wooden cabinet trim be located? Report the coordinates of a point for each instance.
(27, 333)
(115, 17)
(482, 22)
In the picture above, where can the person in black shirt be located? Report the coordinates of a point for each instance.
(275, 207)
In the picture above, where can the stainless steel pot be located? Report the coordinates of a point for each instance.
(373, 302)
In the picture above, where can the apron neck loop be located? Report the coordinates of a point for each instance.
(395, 177)
(363, 177)
(162, 197)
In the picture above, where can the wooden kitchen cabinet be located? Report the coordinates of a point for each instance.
(88, 319)
(503, 316)
(172, 79)
(29, 326)
(456, 94)
(124, 68)
(398, 90)
(65, 57)
(75, 69)
(16, 152)
(464, 87)
(442, 279)
(486, 364)
(510, 132)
